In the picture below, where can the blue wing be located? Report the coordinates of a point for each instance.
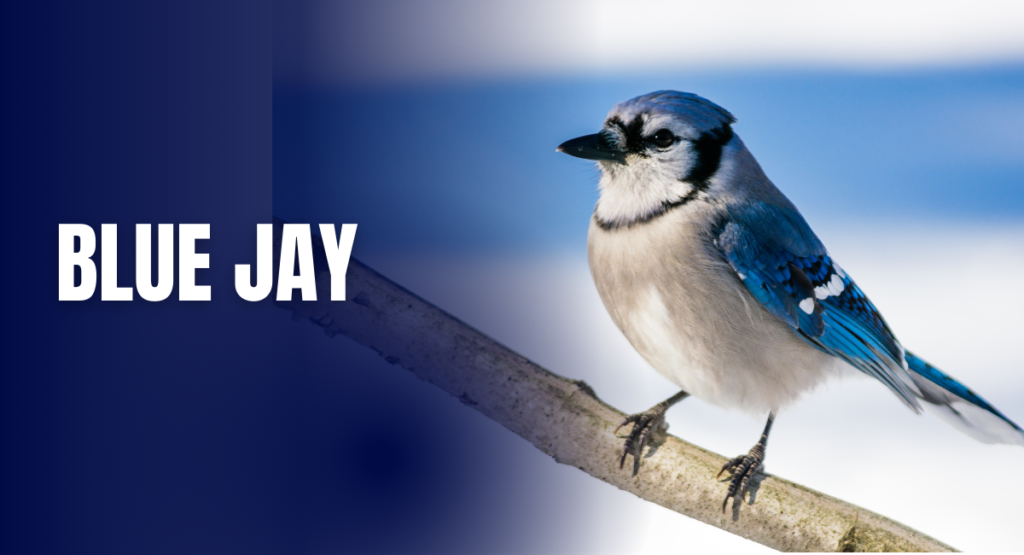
(787, 269)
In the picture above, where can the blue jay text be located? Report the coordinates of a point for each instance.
(77, 245)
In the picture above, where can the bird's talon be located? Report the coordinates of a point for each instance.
(743, 468)
(645, 426)
(627, 420)
(730, 465)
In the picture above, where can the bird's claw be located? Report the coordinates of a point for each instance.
(743, 468)
(646, 425)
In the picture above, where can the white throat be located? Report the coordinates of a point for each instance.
(644, 188)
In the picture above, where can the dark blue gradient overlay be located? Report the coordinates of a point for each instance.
(136, 427)
(203, 427)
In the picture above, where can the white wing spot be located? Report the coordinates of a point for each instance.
(807, 305)
(838, 270)
(833, 288)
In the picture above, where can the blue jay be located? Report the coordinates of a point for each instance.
(719, 283)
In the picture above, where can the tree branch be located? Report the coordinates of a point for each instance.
(565, 419)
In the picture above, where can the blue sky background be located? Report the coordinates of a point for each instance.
(470, 164)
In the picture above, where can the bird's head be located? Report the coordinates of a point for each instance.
(654, 150)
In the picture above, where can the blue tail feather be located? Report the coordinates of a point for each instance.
(958, 405)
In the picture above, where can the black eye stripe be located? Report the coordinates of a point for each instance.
(636, 143)
(708, 148)
(633, 133)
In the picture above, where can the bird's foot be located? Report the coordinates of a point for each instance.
(648, 426)
(743, 469)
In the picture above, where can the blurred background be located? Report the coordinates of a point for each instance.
(895, 127)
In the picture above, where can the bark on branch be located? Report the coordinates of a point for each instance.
(565, 419)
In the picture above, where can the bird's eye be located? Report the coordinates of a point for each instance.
(663, 138)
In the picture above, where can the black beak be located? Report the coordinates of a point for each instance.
(593, 147)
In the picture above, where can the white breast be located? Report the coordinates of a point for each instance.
(685, 311)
